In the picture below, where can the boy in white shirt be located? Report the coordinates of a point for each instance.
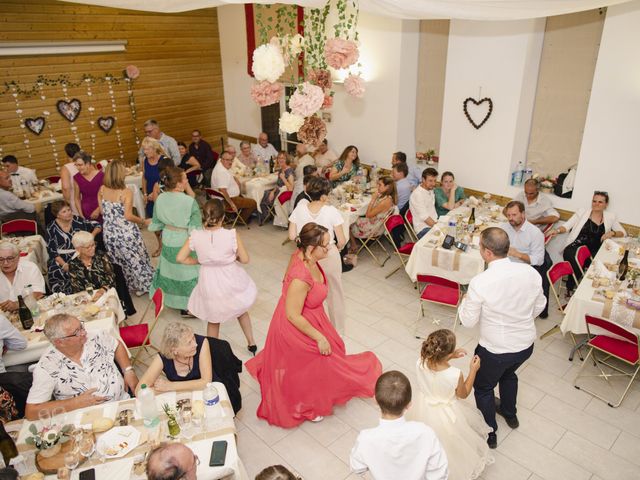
(396, 448)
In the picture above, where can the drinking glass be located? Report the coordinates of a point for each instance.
(185, 420)
(44, 416)
(87, 447)
(71, 459)
(58, 416)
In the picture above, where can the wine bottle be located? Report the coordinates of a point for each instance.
(624, 266)
(472, 220)
(7, 446)
(271, 165)
(25, 314)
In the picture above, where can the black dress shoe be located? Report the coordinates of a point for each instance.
(186, 314)
(511, 421)
(492, 440)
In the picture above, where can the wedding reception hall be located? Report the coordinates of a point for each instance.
(319, 240)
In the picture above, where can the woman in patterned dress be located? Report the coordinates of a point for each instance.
(383, 202)
(59, 245)
(122, 236)
(345, 167)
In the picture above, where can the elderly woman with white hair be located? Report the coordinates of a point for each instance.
(190, 361)
(78, 370)
(93, 270)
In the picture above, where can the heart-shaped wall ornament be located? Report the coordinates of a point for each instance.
(106, 123)
(35, 125)
(69, 110)
(479, 109)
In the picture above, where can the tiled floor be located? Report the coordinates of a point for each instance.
(564, 433)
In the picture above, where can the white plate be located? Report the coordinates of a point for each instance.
(120, 439)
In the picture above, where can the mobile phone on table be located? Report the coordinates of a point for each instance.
(88, 474)
(218, 453)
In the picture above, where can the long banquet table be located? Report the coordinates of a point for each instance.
(254, 187)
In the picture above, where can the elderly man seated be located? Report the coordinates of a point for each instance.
(78, 370)
(538, 208)
(229, 187)
(15, 276)
(12, 207)
(172, 461)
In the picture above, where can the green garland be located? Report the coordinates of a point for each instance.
(12, 86)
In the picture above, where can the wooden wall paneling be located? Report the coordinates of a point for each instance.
(180, 83)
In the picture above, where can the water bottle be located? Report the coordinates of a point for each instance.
(452, 227)
(528, 173)
(211, 400)
(30, 301)
(148, 407)
(516, 176)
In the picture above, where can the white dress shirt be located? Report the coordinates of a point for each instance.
(27, 273)
(505, 299)
(23, 175)
(222, 178)
(10, 338)
(422, 203)
(540, 207)
(400, 450)
(298, 184)
(527, 239)
(10, 203)
(264, 153)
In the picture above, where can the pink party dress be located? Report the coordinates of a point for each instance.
(224, 290)
(297, 382)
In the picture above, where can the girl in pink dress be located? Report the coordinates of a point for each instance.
(224, 290)
(303, 369)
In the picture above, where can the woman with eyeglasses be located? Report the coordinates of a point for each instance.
(590, 228)
(303, 350)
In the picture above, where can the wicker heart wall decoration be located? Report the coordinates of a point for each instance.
(106, 123)
(69, 110)
(35, 125)
(477, 103)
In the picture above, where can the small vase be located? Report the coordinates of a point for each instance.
(50, 452)
(174, 428)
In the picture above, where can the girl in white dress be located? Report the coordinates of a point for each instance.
(459, 426)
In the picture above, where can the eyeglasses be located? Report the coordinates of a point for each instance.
(8, 259)
(76, 333)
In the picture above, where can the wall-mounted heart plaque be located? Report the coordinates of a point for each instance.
(69, 110)
(35, 125)
(106, 123)
(477, 110)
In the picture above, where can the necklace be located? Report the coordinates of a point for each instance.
(188, 364)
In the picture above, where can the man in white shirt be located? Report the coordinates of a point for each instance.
(539, 210)
(15, 276)
(19, 175)
(223, 181)
(302, 160)
(16, 383)
(152, 129)
(237, 167)
(263, 150)
(12, 207)
(423, 203)
(324, 156)
(78, 370)
(397, 449)
(504, 299)
(527, 245)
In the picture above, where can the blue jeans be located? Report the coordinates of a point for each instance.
(423, 232)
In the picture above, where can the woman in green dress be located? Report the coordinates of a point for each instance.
(175, 214)
(448, 194)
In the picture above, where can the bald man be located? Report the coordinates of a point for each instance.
(263, 150)
(172, 461)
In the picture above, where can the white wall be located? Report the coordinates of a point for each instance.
(609, 156)
(378, 124)
(502, 59)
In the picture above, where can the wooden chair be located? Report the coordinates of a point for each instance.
(232, 216)
(404, 251)
(138, 337)
(617, 343)
(21, 227)
(439, 291)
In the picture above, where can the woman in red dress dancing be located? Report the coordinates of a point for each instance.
(303, 369)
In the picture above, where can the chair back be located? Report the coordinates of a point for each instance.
(612, 328)
(53, 178)
(409, 217)
(547, 227)
(582, 254)
(408, 220)
(213, 193)
(158, 301)
(19, 226)
(559, 270)
(436, 280)
(393, 222)
(284, 197)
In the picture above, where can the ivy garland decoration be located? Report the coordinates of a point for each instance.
(13, 87)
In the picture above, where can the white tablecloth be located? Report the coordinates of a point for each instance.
(255, 187)
(48, 197)
(350, 213)
(583, 303)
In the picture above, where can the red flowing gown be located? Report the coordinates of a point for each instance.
(297, 382)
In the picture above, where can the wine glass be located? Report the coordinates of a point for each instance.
(71, 459)
(44, 416)
(185, 420)
(87, 447)
(58, 416)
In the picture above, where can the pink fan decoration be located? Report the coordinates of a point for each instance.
(321, 78)
(340, 53)
(265, 93)
(313, 131)
(306, 100)
(354, 85)
(132, 72)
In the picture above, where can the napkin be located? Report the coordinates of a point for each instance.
(601, 271)
(109, 470)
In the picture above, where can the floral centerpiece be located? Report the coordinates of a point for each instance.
(48, 440)
(172, 422)
(546, 185)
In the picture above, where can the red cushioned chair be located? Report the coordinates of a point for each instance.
(53, 179)
(404, 251)
(232, 216)
(554, 274)
(20, 227)
(582, 255)
(440, 291)
(615, 343)
(138, 337)
(408, 221)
